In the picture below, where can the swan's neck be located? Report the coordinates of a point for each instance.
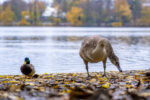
(99, 50)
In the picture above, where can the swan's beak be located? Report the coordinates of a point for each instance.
(119, 68)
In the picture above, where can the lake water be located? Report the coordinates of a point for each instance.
(56, 50)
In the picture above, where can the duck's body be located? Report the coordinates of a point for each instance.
(95, 49)
(27, 69)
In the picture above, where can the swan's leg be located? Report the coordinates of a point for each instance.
(104, 65)
(86, 65)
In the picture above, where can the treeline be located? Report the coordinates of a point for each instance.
(104, 12)
(77, 13)
(19, 12)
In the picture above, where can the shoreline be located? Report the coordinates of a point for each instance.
(74, 86)
(101, 72)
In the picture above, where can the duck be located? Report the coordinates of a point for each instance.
(27, 69)
(95, 49)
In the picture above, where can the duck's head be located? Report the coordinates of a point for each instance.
(26, 60)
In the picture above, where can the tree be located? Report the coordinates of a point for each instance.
(17, 6)
(7, 16)
(122, 11)
(75, 16)
(23, 19)
(89, 12)
(36, 9)
(96, 12)
(136, 7)
(145, 16)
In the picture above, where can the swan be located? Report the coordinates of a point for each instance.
(95, 49)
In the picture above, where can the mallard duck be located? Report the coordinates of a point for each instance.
(95, 49)
(27, 69)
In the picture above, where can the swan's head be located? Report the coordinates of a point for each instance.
(101, 43)
(115, 61)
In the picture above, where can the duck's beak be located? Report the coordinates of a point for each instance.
(25, 62)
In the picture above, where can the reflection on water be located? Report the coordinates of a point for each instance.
(56, 49)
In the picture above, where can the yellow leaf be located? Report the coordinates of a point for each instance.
(102, 79)
(5, 81)
(99, 75)
(66, 82)
(68, 91)
(137, 77)
(56, 86)
(105, 78)
(74, 74)
(56, 82)
(93, 80)
(141, 81)
(106, 85)
(73, 82)
(128, 85)
(27, 80)
(13, 86)
(82, 86)
(141, 73)
(51, 75)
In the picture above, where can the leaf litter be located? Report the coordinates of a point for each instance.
(128, 85)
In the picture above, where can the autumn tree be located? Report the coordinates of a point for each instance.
(95, 11)
(136, 7)
(17, 6)
(90, 14)
(75, 16)
(1, 9)
(7, 16)
(36, 9)
(145, 16)
(122, 11)
(56, 21)
(23, 21)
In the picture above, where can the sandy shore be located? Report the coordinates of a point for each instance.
(129, 85)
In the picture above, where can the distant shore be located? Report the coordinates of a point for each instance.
(73, 86)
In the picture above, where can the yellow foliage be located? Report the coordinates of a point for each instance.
(23, 19)
(117, 24)
(51, 75)
(75, 16)
(74, 74)
(56, 21)
(66, 82)
(92, 80)
(122, 8)
(128, 85)
(106, 85)
(82, 86)
(7, 16)
(145, 18)
(36, 12)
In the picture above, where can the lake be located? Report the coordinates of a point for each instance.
(56, 49)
